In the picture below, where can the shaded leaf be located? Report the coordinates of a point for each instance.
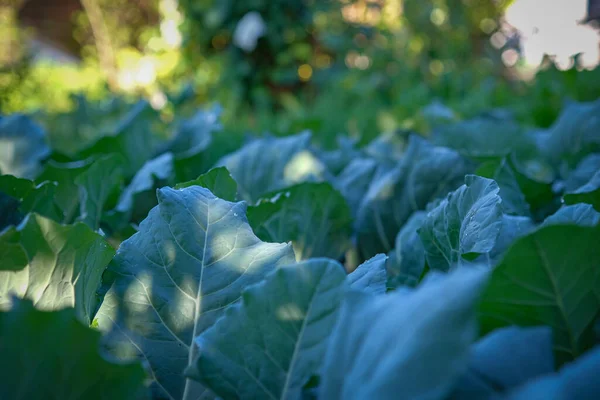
(268, 164)
(313, 216)
(588, 193)
(467, 222)
(424, 174)
(579, 214)
(97, 185)
(51, 355)
(387, 347)
(270, 344)
(62, 268)
(218, 181)
(549, 277)
(22, 146)
(504, 360)
(407, 260)
(370, 276)
(169, 282)
(575, 381)
(513, 199)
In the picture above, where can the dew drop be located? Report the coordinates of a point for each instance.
(235, 214)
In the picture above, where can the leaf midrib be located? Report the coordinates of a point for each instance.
(559, 302)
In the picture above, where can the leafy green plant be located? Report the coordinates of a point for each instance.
(170, 259)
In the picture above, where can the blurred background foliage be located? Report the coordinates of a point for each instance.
(332, 66)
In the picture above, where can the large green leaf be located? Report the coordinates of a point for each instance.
(576, 381)
(504, 360)
(22, 146)
(51, 355)
(424, 174)
(409, 344)
(62, 268)
(549, 277)
(588, 193)
(407, 260)
(97, 186)
(269, 164)
(168, 283)
(466, 223)
(218, 181)
(270, 344)
(313, 216)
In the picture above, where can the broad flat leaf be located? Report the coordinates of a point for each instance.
(370, 276)
(504, 360)
(353, 182)
(97, 185)
(578, 214)
(549, 277)
(218, 181)
(405, 345)
(63, 266)
(467, 222)
(581, 175)
(424, 174)
(574, 134)
(21, 196)
(407, 260)
(482, 137)
(270, 344)
(513, 199)
(22, 146)
(155, 171)
(588, 193)
(51, 355)
(258, 169)
(575, 381)
(67, 191)
(313, 216)
(169, 282)
(133, 137)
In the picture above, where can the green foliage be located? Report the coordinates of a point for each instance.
(468, 206)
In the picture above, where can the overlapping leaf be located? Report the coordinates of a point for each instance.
(192, 257)
(55, 266)
(270, 344)
(549, 277)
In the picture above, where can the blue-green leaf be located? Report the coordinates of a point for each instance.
(22, 146)
(407, 344)
(269, 345)
(504, 360)
(370, 276)
(169, 282)
(467, 222)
